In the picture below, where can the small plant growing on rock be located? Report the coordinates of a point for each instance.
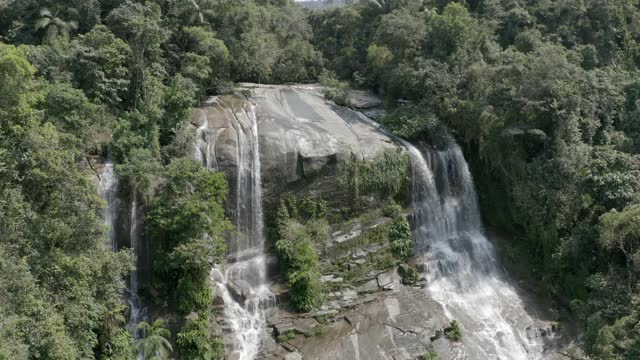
(410, 274)
(431, 355)
(453, 331)
(400, 236)
(289, 335)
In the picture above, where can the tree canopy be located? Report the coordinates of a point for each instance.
(543, 95)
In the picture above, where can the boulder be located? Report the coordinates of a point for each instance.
(305, 325)
(293, 356)
(389, 280)
(370, 286)
(390, 326)
(284, 327)
(240, 290)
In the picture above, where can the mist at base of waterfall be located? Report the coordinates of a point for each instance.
(245, 317)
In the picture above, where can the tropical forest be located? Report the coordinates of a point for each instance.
(320, 179)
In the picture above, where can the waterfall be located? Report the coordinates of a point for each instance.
(460, 262)
(109, 191)
(135, 305)
(242, 282)
(108, 185)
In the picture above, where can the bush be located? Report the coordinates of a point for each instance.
(417, 122)
(410, 274)
(453, 331)
(301, 265)
(194, 339)
(386, 176)
(300, 222)
(400, 237)
(217, 349)
(289, 335)
(335, 90)
(431, 355)
(391, 210)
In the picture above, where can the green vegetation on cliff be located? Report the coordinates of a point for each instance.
(185, 223)
(61, 285)
(544, 97)
(88, 79)
(300, 223)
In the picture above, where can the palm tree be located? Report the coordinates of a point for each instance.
(55, 27)
(153, 343)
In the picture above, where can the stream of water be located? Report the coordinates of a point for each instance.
(462, 271)
(109, 191)
(108, 185)
(242, 282)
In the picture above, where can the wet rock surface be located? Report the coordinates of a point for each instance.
(304, 138)
(368, 312)
(385, 325)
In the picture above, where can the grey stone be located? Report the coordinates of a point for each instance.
(305, 325)
(420, 262)
(341, 238)
(349, 295)
(240, 290)
(394, 327)
(368, 287)
(329, 312)
(283, 327)
(293, 356)
(331, 278)
(361, 99)
(359, 254)
(326, 278)
(302, 136)
(389, 280)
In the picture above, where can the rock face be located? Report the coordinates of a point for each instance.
(369, 311)
(303, 138)
(395, 325)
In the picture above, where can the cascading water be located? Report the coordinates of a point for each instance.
(109, 191)
(242, 283)
(135, 306)
(460, 262)
(108, 185)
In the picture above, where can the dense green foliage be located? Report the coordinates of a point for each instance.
(153, 343)
(400, 237)
(385, 178)
(84, 79)
(544, 97)
(185, 221)
(61, 284)
(301, 223)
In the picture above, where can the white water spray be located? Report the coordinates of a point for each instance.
(109, 192)
(133, 298)
(242, 282)
(462, 272)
